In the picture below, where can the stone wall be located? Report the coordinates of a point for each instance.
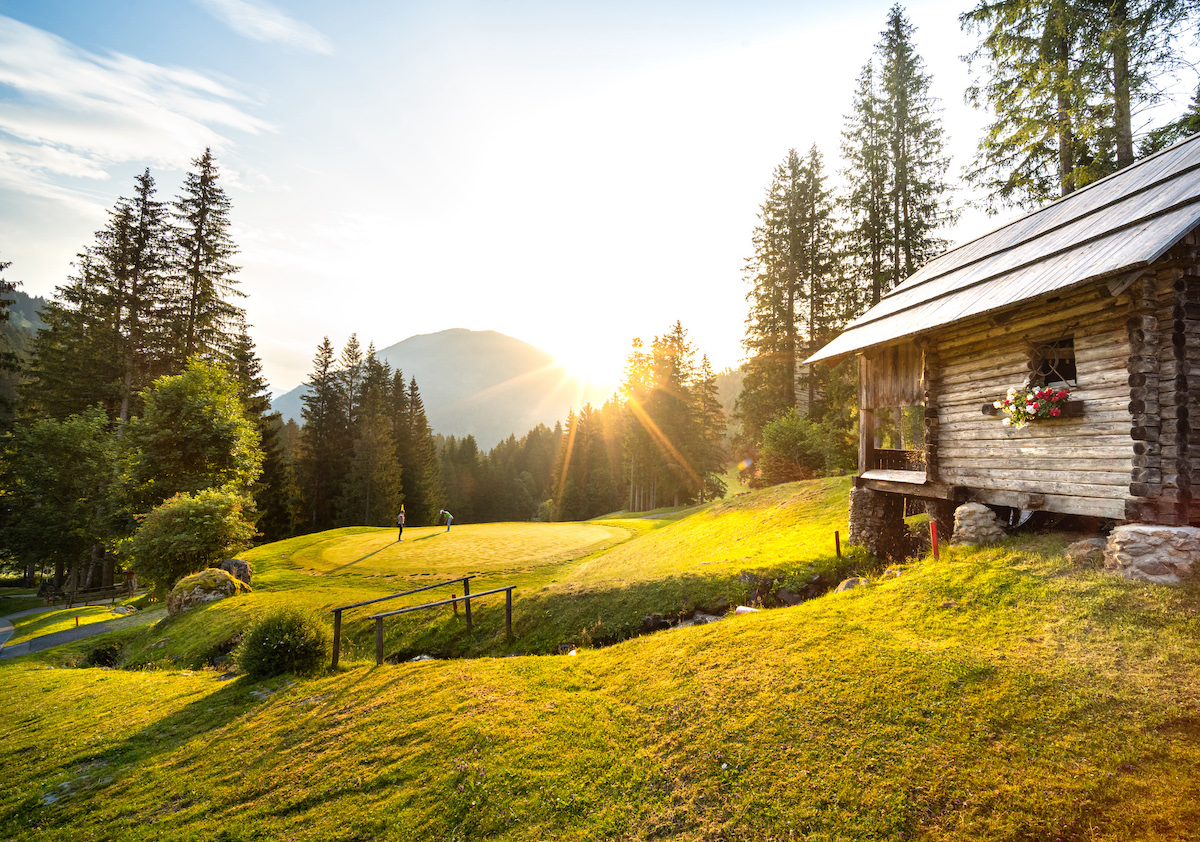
(1164, 555)
(877, 523)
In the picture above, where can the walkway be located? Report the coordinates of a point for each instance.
(49, 641)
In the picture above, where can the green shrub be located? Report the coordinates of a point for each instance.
(794, 448)
(286, 640)
(104, 655)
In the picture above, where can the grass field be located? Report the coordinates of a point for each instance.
(996, 694)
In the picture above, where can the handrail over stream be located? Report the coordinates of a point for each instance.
(337, 612)
(378, 618)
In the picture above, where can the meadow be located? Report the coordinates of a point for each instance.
(997, 693)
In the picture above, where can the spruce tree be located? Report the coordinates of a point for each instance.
(204, 319)
(323, 443)
(371, 493)
(423, 491)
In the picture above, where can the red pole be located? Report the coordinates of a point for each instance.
(837, 542)
(933, 535)
(455, 603)
(76, 621)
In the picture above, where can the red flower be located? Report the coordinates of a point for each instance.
(1062, 393)
(1056, 412)
(1035, 407)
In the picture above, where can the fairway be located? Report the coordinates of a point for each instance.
(480, 549)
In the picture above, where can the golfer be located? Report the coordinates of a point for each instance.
(400, 525)
(449, 517)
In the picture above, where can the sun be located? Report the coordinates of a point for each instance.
(596, 365)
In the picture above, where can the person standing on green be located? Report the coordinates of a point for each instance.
(400, 525)
(449, 517)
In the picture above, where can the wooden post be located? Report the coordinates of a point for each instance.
(337, 636)
(379, 641)
(508, 612)
(933, 536)
(467, 597)
(454, 604)
(837, 542)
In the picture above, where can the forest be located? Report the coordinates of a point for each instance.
(138, 412)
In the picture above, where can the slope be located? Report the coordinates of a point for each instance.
(996, 694)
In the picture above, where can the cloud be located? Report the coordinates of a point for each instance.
(260, 22)
(70, 114)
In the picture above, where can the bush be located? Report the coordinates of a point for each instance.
(286, 640)
(794, 448)
(104, 655)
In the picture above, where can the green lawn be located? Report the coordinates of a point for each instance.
(996, 694)
(49, 622)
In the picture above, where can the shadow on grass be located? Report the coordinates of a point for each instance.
(364, 558)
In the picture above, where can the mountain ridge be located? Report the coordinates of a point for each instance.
(481, 383)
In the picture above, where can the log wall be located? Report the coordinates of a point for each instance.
(1070, 465)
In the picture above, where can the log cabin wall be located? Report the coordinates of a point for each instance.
(1164, 332)
(1069, 465)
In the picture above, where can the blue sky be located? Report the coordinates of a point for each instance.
(571, 174)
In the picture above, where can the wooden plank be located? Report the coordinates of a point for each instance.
(975, 479)
(911, 477)
(1070, 504)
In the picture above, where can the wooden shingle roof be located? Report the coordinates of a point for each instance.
(1117, 225)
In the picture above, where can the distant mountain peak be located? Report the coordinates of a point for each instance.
(478, 382)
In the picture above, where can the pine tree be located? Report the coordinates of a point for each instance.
(275, 493)
(918, 192)
(205, 320)
(371, 494)
(1062, 79)
(865, 151)
(709, 452)
(424, 494)
(323, 444)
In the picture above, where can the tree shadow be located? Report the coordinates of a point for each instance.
(357, 560)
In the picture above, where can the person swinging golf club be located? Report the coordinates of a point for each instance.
(449, 517)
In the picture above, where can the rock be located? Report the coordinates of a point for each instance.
(850, 584)
(893, 572)
(877, 523)
(654, 622)
(237, 568)
(788, 597)
(420, 658)
(1164, 555)
(698, 619)
(745, 609)
(1087, 553)
(975, 523)
(206, 586)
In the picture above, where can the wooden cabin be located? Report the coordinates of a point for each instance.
(1098, 293)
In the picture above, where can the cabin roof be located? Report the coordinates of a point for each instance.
(1115, 226)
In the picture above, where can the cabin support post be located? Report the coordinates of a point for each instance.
(930, 375)
(877, 523)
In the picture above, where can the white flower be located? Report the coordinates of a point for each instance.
(1030, 410)
(1006, 422)
(997, 404)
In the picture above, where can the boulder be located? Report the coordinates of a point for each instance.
(203, 587)
(1164, 555)
(237, 568)
(1087, 553)
(848, 584)
(975, 523)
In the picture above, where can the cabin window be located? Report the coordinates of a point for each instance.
(1053, 363)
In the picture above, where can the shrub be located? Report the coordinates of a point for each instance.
(794, 448)
(104, 655)
(285, 640)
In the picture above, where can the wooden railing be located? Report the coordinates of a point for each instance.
(897, 460)
(465, 598)
(454, 600)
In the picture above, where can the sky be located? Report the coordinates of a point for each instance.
(573, 174)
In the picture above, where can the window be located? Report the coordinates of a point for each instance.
(1053, 363)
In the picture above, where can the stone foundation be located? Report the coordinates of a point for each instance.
(877, 523)
(1164, 555)
(975, 523)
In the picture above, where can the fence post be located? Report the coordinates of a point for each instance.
(508, 612)
(933, 537)
(467, 597)
(337, 635)
(379, 641)
(837, 542)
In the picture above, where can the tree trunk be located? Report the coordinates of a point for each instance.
(1122, 118)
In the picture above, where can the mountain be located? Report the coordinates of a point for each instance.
(480, 383)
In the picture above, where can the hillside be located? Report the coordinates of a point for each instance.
(996, 694)
(480, 383)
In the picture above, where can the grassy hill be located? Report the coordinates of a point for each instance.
(997, 694)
